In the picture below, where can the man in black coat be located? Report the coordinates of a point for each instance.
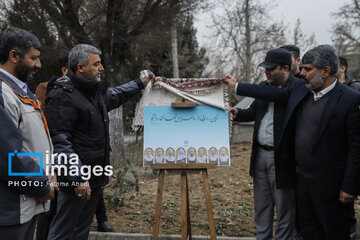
(77, 109)
(344, 78)
(274, 182)
(322, 133)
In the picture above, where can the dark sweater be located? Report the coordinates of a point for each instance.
(308, 123)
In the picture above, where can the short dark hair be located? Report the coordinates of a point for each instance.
(322, 56)
(343, 62)
(63, 60)
(294, 50)
(16, 39)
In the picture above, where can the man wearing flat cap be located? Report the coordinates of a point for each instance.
(274, 177)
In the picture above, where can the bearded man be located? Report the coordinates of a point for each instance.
(321, 132)
(23, 129)
(274, 180)
(77, 107)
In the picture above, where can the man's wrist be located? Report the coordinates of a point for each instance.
(139, 83)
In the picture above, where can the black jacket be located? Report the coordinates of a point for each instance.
(353, 83)
(77, 114)
(285, 169)
(336, 151)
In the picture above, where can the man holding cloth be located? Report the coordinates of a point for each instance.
(274, 178)
(77, 109)
(322, 134)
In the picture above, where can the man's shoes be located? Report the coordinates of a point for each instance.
(105, 227)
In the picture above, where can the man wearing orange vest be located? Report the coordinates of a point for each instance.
(23, 132)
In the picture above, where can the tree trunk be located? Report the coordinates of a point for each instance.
(117, 155)
(174, 50)
(115, 74)
(247, 42)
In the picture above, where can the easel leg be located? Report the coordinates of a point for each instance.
(188, 210)
(208, 204)
(185, 217)
(158, 204)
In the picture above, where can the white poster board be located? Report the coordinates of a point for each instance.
(186, 135)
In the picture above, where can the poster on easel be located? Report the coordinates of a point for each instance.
(186, 135)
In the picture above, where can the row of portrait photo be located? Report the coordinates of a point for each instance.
(191, 155)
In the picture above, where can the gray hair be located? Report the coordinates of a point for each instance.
(322, 56)
(16, 39)
(80, 55)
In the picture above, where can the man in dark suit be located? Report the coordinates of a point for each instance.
(322, 133)
(274, 182)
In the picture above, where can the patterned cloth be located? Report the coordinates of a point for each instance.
(163, 91)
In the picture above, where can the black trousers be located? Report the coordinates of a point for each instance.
(44, 220)
(101, 210)
(74, 216)
(320, 218)
(23, 231)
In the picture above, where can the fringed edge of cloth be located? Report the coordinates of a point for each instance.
(227, 109)
(188, 85)
(196, 91)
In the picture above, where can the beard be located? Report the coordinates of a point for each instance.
(23, 72)
(277, 80)
(91, 76)
(315, 83)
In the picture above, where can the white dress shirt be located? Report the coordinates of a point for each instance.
(18, 82)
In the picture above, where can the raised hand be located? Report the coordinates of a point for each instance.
(230, 81)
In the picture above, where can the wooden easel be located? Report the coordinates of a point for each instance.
(184, 170)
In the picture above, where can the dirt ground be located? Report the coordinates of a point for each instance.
(231, 195)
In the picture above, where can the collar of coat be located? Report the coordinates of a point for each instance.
(88, 86)
(348, 80)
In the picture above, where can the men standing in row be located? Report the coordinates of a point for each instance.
(23, 129)
(322, 133)
(77, 112)
(273, 176)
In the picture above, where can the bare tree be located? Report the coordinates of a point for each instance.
(346, 35)
(301, 40)
(243, 34)
(346, 32)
